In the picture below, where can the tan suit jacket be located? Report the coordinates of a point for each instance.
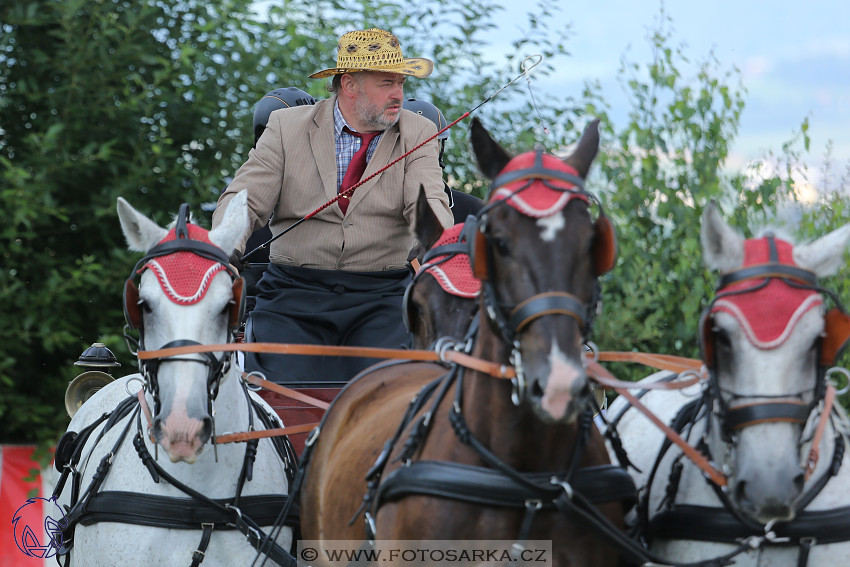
(292, 172)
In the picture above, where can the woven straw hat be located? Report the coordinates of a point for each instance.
(374, 50)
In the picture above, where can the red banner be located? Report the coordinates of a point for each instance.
(23, 542)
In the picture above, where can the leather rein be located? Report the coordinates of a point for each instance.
(691, 371)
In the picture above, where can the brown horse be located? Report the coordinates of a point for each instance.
(477, 456)
(442, 298)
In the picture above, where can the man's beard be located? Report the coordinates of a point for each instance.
(373, 116)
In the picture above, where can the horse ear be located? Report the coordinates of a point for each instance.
(492, 159)
(141, 232)
(825, 255)
(587, 148)
(234, 224)
(722, 246)
(426, 227)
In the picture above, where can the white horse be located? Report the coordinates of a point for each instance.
(766, 342)
(190, 398)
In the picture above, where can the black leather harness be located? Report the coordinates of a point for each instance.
(487, 487)
(244, 513)
(724, 525)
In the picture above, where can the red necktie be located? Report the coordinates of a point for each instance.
(356, 166)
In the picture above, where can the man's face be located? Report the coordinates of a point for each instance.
(379, 99)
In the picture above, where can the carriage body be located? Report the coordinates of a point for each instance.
(294, 412)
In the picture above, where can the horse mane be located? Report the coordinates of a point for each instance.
(173, 222)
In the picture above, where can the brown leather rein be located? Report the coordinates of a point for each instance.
(689, 366)
(452, 356)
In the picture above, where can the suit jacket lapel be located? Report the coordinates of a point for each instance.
(323, 146)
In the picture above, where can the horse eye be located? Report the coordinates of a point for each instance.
(502, 246)
(816, 343)
(721, 338)
(145, 307)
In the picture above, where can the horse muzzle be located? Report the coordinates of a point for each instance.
(183, 438)
(768, 484)
(562, 394)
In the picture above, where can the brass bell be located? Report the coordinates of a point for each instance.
(94, 359)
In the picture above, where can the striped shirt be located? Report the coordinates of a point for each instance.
(347, 145)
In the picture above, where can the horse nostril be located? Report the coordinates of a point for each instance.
(536, 390)
(740, 490)
(799, 481)
(206, 429)
(157, 428)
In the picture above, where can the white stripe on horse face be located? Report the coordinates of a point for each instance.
(559, 386)
(549, 227)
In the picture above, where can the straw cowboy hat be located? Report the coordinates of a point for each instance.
(374, 50)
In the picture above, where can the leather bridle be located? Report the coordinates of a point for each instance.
(788, 408)
(149, 366)
(508, 321)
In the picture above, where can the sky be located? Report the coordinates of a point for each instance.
(794, 60)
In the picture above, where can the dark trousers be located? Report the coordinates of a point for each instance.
(325, 307)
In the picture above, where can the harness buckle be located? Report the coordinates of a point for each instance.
(516, 550)
(253, 536)
(773, 538)
(568, 490)
(250, 385)
(519, 384)
(770, 535)
(843, 372)
(371, 528)
(591, 348)
(311, 438)
(238, 514)
(443, 345)
(753, 542)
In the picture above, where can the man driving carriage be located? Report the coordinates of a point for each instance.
(339, 277)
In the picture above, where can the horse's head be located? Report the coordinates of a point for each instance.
(187, 295)
(441, 299)
(538, 253)
(766, 344)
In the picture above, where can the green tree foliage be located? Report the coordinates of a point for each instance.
(658, 171)
(152, 100)
(661, 168)
(99, 99)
